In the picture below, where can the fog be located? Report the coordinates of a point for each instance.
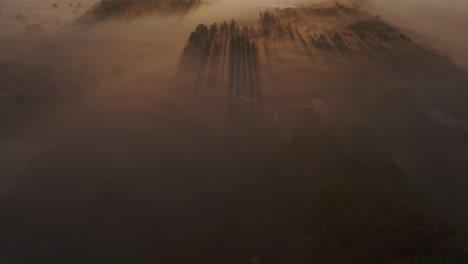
(443, 24)
(124, 139)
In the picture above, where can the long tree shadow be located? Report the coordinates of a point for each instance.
(224, 58)
(227, 55)
(129, 9)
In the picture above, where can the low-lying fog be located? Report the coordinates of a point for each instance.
(444, 23)
(93, 112)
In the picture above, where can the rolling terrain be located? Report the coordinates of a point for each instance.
(221, 132)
